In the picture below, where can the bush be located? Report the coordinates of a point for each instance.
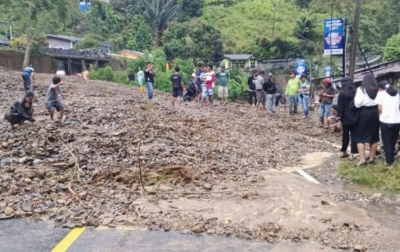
(105, 73)
(163, 81)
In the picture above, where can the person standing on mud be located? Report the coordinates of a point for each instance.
(53, 102)
(21, 110)
(177, 87)
(260, 94)
(208, 91)
(223, 79)
(270, 90)
(291, 91)
(325, 104)
(140, 76)
(27, 76)
(149, 79)
(252, 88)
(347, 115)
(131, 78)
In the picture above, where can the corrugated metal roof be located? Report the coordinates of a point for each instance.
(71, 38)
(238, 56)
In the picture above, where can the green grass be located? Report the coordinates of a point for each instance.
(374, 176)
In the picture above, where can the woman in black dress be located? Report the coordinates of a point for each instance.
(367, 129)
(347, 115)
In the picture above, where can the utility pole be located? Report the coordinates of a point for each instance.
(330, 40)
(28, 37)
(354, 41)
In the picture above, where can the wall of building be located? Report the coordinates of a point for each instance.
(58, 43)
(13, 60)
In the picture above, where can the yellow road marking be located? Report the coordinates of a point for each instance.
(68, 240)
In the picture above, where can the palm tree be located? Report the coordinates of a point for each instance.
(304, 28)
(158, 14)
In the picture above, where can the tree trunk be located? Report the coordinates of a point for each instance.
(28, 38)
(353, 50)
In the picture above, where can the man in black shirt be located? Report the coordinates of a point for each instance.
(252, 88)
(177, 87)
(149, 79)
(131, 78)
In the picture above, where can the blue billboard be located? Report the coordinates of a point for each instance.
(301, 67)
(84, 7)
(334, 36)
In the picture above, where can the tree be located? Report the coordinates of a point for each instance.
(89, 41)
(190, 9)
(158, 14)
(305, 29)
(392, 49)
(143, 39)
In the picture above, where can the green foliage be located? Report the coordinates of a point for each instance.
(105, 73)
(143, 39)
(392, 49)
(89, 41)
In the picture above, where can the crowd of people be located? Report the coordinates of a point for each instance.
(365, 109)
(359, 111)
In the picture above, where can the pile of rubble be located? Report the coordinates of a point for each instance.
(86, 172)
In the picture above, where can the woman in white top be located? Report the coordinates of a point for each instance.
(389, 115)
(367, 129)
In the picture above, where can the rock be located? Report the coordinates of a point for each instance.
(8, 211)
(207, 186)
(107, 221)
(360, 248)
(325, 203)
(211, 231)
(37, 162)
(4, 145)
(27, 207)
(198, 229)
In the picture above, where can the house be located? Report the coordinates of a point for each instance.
(68, 42)
(4, 41)
(242, 61)
(131, 54)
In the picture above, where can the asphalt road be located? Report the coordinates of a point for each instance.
(26, 235)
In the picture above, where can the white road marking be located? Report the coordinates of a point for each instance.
(308, 177)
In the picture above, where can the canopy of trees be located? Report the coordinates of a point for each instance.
(205, 29)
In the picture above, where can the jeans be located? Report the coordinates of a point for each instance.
(349, 132)
(149, 86)
(303, 100)
(271, 101)
(324, 110)
(390, 133)
(27, 81)
(293, 104)
(252, 94)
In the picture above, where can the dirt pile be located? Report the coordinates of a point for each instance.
(86, 172)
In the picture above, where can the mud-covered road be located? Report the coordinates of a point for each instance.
(224, 170)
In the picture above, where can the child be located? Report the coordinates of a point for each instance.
(53, 99)
(333, 120)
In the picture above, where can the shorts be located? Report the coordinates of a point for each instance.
(223, 92)
(55, 105)
(260, 94)
(198, 87)
(208, 92)
(325, 110)
(177, 92)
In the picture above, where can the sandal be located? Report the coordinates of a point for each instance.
(344, 155)
(362, 164)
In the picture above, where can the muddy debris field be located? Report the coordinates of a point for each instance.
(86, 172)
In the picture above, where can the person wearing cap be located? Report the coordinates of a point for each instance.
(270, 91)
(21, 110)
(27, 76)
(222, 80)
(304, 94)
(292, 88)
(53, 102)
(326, 100)
(389, 117)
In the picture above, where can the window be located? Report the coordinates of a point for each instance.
(229, 64)
(252, 64)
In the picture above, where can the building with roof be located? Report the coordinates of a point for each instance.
(131, 54)
(4, 41)
(242, 61)
(68, 42)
